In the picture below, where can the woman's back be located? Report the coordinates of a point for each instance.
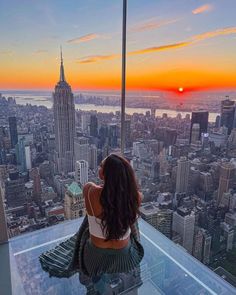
(94, 209)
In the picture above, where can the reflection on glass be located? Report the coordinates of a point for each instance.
(165, 269)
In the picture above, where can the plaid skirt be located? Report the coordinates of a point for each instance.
(78, 254)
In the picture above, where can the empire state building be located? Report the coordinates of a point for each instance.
(64, 122)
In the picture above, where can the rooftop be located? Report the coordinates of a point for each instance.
(165, 269)
(74, 189)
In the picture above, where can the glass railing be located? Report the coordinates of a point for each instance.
(166, 268)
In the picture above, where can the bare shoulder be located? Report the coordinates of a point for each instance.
(92, 187)
(92, 190)
(88, 185)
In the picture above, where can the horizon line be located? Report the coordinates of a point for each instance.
(118, 90)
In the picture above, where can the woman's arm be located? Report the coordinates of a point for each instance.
(86, 189)
(91, 193)
(140, 199)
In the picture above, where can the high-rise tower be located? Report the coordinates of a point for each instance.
(64, 120)
(93, 125)
(201, 118)
(182, 176)
(13, 131)
(183, 224)
(227, 114)
(227, 174)
(37, 189)
(195, 133)
(81, 172)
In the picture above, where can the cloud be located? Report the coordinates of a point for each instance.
(161, 48)
(97, 58)
(151, 25)
(6, 52)
(203, 9)
(84, 38)
(40, 51)
(192, 40)
(216, 33)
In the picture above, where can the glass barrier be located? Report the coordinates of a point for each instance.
(166, 268)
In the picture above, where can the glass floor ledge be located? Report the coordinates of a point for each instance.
(165, 269)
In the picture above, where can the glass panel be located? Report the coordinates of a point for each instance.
(91, 47)
(180, 71)
(165, 269)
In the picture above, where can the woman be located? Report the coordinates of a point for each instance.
(108, 239)
(112, 211)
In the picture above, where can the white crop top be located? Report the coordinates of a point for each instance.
(95, 227)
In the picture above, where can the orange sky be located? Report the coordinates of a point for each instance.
(189, 46)
(109, 77)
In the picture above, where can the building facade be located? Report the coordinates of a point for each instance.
(13, 131)
(227, 114)
(161, 219)
(93, 128)
(81, 172)
(37, 189)
(64, 121)
(93, 157)
(74, 201)
(81, 149)
(201, 118)
(227, 174)
(15, 191)
(182, 176)
(183, 224)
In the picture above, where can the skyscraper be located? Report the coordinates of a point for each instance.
(3, 222)
(227, 114)
(85, 122)
(113, 135)
(3, 136)
(81, 171)
(28, 157)
(227, 174)
(15, 190)
(206, 247)
(37, 189)
(103, 135)
(20, 155)
(195, 133)
(64, 120)
(198, 244)
(13, 131)
(182, 175)
(183, 224)
(81, 149)
(93, 157)
(127, 133)
(163, 162)
(201, 118)
(93, 125)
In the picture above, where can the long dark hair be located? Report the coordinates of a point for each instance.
(119, 197)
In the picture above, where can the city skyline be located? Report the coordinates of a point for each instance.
(182, 46)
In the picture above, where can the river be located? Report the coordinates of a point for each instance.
(45, 100)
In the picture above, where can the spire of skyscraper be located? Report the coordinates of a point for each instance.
(62, 75)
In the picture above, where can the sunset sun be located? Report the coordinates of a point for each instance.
(181, 89)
